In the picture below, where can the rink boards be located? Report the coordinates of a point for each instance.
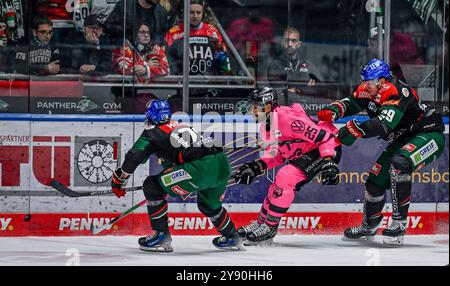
(81, 151)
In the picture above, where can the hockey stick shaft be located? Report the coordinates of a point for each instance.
(71, 193)
(97, 230)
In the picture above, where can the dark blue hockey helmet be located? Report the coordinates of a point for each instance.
(157, 111)
(375, 69)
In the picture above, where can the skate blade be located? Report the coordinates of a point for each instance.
(393, 241)
(239, 247)
(362, 238)
(166, 248)
(267, 242)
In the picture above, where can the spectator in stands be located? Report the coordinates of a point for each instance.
(174, 10)
(94, 53)
(290, 66)
(13, 20)
(84, 8)
(13, 32)
(144, 59)
(149, 11)
(403, 50)
(208, 55)
(42, 58)
(249, 35)
(60, 13)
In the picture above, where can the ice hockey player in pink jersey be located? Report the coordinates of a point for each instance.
(307, 145)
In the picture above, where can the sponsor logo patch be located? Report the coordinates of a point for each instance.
(372, 106)
(179, 190)
(297, 126)
(175, 177)
(424, 152)
(376, 169)
(409, 147)
(420, 167)
(391, 102)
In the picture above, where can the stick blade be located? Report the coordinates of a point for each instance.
(62, 189)
(96, 230)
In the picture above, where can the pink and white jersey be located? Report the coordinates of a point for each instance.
(293, 133)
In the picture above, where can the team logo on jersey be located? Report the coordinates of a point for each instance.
(297, 126)
(405, 92)
(378, 98)
(409, 147)
(424, 152)
(372, 106)
(277, 192)
(376, 169)
(175, 177)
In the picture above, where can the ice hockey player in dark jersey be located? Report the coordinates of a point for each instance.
(191, 164)
(415, 135)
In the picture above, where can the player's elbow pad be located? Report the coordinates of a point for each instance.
(133, 159)
(375, 127)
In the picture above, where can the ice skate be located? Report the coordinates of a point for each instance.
(229, 242)
(157, 242)
(360, 232)
(246, 229)
(394, 234)
(263, 233)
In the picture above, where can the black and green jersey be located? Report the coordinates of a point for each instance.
(396, 110)
(170, 141)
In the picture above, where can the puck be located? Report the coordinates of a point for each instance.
(27, 218)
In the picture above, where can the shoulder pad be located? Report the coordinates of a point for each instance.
(361, 92)
(169, 126)
(297, 106)
(387, 91)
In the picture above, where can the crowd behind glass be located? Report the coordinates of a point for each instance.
(280, 43)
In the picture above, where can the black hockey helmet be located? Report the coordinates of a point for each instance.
(262, 96)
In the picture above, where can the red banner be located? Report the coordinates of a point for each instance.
(41, 88)
(47, 224)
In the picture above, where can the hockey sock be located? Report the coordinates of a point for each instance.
(400, 192)
(223, 223)
(374, 201)
(279, 199)
(263, 212)
(274, 215)
(219, 218)
(157, 212)
(156, 204)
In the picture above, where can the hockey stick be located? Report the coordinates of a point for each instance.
(97, 230)
(70, 193)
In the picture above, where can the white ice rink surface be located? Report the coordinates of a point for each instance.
(198, 250)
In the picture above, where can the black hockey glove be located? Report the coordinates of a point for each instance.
(248, 172)
(330, 173)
